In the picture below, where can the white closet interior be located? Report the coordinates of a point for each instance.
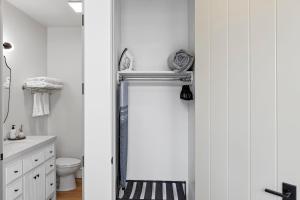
(161, 125)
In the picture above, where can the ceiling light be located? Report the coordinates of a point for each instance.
(76, 6)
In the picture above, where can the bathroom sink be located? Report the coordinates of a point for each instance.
(16, 144)
(11, 147)
(7, 142)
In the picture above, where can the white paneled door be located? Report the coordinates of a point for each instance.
(248, 98)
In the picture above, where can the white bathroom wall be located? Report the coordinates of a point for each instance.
(64, 61)
(27, 59)
(152, 30)
(158, 133)
(158, 118)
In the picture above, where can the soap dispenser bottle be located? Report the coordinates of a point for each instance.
(21, 133)
(13, 132)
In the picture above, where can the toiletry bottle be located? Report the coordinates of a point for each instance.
(13, 132)
(21, 133)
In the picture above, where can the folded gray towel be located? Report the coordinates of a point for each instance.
(181, 60)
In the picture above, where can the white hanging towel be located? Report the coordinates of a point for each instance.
(37, 105)
(46, 103)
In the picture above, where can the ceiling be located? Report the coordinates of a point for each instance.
(49, 12)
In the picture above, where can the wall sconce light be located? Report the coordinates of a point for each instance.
(7, 45)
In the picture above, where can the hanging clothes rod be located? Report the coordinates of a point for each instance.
(185, 77)
(155, 79)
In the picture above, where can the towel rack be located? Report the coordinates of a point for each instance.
(39, 89)
(182, 77)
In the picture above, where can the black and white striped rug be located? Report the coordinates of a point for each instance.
(153, 190)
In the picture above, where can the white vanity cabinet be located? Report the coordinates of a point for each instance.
(31, 175)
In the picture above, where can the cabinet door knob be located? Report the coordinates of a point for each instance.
(36, 160)
(51, 151)
(16, 190)
(51, 165)
(51, 184)
(16, 171)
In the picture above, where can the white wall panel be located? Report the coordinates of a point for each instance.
(239, 103)
(236, 113)
(263, 97)
(219, 99)
(288, 64)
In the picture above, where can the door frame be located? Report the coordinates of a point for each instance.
(1, 129)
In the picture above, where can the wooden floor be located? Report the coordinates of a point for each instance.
(72, 195)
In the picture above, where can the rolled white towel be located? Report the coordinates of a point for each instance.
(42, 85)
(46, 79)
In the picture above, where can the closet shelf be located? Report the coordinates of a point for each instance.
(184, 77)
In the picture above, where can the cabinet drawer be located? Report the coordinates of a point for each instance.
(50, 165)
(49, 152)
(33, 161)
(13, 171)
(14, 190)
(50, 184)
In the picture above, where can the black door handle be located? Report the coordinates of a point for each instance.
(289, 192)
(285, 196)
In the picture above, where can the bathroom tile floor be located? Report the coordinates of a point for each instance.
(72, 195)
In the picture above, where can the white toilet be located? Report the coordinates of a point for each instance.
(66, 169)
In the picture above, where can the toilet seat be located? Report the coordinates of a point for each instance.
(67, 162)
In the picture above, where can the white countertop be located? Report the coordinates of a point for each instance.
(17, 148)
